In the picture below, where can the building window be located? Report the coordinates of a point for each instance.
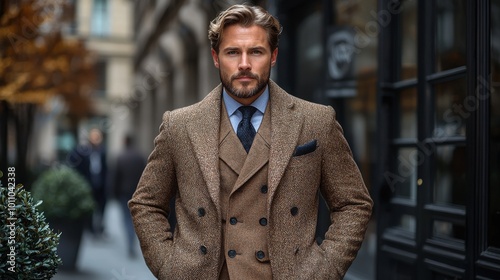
(100, 18)
(72, 27)
(100, 70)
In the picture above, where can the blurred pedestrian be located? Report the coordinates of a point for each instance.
(246, 165)
(127, 171)
(90, 160)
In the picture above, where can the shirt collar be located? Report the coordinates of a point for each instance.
(232, 105)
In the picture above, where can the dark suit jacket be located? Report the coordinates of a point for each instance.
(184, 163)
(128, 170)
(79, 159)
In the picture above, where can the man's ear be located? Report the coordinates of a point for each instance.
(274, 56)
(215, 57)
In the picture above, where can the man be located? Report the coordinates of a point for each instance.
(90, 161)
(128, 170)
(247, 208)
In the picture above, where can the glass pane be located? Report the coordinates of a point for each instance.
(309, 56)
(402, 226)
(100, 18)
(403, 271)
(494, 216)
(393, 269)
(441, 276)
(408, 107)
(408, 222)
(450, 34)
(405, 181)
(450, 180)
(453, 108)
(443, 229)
(409, 39)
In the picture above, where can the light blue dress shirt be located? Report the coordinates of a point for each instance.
(235, 115)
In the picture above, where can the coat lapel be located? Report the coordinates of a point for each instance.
(203, 131)
(286, 126)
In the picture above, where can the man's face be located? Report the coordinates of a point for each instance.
(95, 137)
(244, 62)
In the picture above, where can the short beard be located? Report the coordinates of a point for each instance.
(242, 93)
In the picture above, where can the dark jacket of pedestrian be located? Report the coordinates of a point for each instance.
(128, 170)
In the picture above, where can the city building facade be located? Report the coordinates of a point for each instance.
(106, 25)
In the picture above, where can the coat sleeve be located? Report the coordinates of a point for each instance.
(149, 205)
(347, 197)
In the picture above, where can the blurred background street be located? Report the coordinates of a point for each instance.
(108, 258)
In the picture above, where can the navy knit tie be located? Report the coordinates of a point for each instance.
(246, 131)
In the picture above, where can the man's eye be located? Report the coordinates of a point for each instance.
(232, 52)
(256, 52)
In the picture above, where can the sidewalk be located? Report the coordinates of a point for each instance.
(108, 259)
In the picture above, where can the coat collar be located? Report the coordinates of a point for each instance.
(203, 130)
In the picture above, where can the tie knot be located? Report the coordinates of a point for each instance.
(247, 111)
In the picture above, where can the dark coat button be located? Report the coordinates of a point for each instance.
(263, 222)
(233, 221)
(263, 189)
(231, 253)
(294, 211)
(201, 212)
(203, 250)
(260, 255)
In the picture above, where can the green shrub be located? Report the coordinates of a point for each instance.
(28, 246)
(64, 192)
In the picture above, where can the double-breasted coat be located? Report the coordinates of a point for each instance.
(308, 155)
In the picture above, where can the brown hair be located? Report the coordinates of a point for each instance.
(245, 16)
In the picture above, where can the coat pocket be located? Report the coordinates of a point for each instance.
(311, 264)
(307, 148)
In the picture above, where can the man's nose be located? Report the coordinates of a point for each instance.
(244, 63)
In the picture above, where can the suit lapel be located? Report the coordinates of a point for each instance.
(203, 131)
(286, 126)
(230, 149)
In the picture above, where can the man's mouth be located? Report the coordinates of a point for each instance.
(245, 77)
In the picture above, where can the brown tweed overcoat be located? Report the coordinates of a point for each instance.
(184, 164)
